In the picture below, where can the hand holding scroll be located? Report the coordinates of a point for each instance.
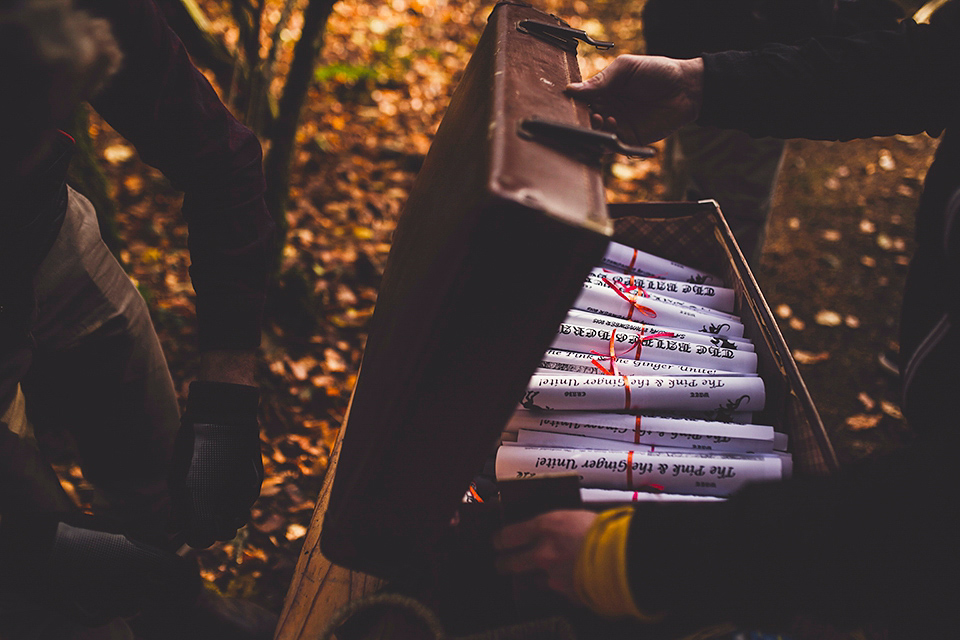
(548, 544)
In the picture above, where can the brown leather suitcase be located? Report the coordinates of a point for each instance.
(504, 221)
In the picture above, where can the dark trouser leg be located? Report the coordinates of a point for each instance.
(737, 171)
(29, 484)
(88, 361)
(98, 371)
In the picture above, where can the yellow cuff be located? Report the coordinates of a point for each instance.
(600, 574)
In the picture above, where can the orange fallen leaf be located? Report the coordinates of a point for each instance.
(346, 296)
(828, 318)
(133, 184)
(271, 485)
(891, 410)
(863, 421)
(905, 190)
(886, 160)
(322, 381)
(867, 402)
(295, 532)
(334, 361)
(117, 153)
(363, 233)
(301, 368)
(807, 357)
(253, 553)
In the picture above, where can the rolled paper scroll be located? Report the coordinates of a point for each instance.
(737, 417)
(687, 473)
(657, 347)
(633, 292)
(710, 296)
(528, 438)
(576, 316)
(658, 431)
(609, 301)
(620, 257)
(625, 393)
(558, 362)
(596, 496)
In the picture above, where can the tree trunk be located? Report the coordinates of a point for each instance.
(283, 134)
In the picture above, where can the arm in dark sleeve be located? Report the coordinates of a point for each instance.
(877, 83)
(163, 105)
(876, 543)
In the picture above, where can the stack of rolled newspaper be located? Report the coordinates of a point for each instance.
(648, 392)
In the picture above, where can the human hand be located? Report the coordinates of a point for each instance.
(547, 544)
(643, 98)
(217, 470)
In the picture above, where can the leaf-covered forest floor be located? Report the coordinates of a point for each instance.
(833, 268)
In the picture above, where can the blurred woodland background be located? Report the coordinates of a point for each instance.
(346, 97)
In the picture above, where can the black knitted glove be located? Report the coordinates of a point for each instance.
(217, 470)
(92, 575)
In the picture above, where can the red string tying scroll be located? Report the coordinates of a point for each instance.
(613, 355)
(632, 298)
(649, 487)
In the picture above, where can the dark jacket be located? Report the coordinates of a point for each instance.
(877, 542)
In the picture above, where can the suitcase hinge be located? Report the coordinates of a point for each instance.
(564, 37)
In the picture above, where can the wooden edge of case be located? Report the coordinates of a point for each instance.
(321, 589)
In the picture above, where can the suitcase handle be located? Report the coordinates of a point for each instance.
(578, 138)
(563, 37)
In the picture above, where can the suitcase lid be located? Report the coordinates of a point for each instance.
(495, 239)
